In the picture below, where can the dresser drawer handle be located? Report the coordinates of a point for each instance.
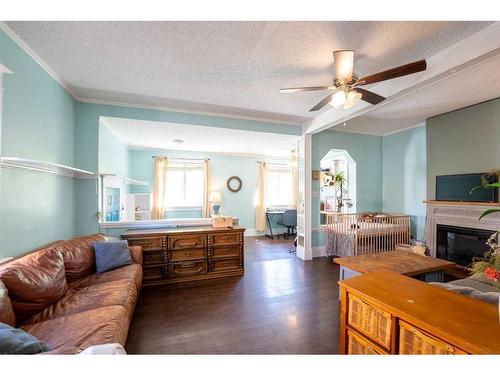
(192, 244)
(145, 244)
(188, 265)
(188, 253)
(225, 238)
(226, 264)
(226, 251)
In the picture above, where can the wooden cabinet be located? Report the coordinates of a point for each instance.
(388, 313)
(187, 254)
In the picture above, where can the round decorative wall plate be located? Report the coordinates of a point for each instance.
(234, 184)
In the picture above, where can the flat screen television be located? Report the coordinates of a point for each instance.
(458, 188)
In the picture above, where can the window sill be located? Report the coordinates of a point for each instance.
(183, 208)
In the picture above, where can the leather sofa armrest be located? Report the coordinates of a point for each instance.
(136, 254)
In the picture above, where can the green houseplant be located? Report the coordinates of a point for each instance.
(489, 264)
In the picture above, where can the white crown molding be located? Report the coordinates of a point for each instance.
(194, 112)
(233, 154)
(419, 125)
(36, 58)
(347, 130)
(4, 69)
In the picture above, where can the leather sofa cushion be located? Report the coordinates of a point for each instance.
(131, 272)
(117, 293)
(78, 255)
(6, 313)
(34, 281)
(74, 333)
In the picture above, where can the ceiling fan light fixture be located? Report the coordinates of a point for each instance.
(344, 62)
(352, 98)
(338, 99)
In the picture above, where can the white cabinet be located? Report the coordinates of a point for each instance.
(138, 207)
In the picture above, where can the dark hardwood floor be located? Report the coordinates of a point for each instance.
(282, 305)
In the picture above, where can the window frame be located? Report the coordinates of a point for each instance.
(180, 166)
(277, 169)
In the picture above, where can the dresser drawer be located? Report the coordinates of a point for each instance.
(152, 243)
(357, 344)
(187, 254)
(414, 341)
(373, 322)
(224, 252)
(225, 239)
(190, 241)
(153, 257)
(153, 273)
(186, 269)
(225, 264)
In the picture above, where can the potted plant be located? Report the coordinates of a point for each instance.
(489, 265)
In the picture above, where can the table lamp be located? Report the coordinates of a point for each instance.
(215, 201)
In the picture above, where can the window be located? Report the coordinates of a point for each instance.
(185, 185)
(279, 188)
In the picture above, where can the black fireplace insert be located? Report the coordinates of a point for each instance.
(461, 245)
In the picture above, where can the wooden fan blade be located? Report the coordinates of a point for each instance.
(322, 103)
(311, 88)
(400, 71)
(369, 97)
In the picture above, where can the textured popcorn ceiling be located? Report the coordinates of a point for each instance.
(159, 135)
(472, 86)
(232, 68)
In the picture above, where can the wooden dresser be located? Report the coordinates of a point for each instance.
(388, 313)
(173, 255)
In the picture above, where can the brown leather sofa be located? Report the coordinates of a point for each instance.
(55, 294)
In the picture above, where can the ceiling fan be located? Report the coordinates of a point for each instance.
(346, 84)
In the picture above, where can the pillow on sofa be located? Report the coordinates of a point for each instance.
(111, 255)
(34, 281)
(490, 297)
(16, 341)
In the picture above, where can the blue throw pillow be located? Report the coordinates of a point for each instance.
(111, 255)
(16, 341)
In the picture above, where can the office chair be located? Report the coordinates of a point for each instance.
(290, 222)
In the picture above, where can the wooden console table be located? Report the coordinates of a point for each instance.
(387, 313)
(173, 255)
(401, 261)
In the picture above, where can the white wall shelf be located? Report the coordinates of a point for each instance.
(45, 167)
(127, 180)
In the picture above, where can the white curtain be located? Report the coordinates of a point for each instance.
(294, 178)
(160, 172)
(260, 210)
(206, 191)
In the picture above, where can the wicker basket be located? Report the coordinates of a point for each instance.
(372, 321)
(357, 344)
(414, 341)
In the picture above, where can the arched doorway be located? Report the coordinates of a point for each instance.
(337, 161)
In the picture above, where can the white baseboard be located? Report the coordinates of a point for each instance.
(252, 232)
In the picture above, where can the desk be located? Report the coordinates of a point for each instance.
(269, 215)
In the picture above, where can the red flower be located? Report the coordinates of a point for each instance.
(491, 273)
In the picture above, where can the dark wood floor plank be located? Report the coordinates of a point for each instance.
(281, 305)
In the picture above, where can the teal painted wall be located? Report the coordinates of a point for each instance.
(366, 150)
(39, 122)
(88, 135)
(113, 154)
(240, 204)
(463, 141)
(404, 176)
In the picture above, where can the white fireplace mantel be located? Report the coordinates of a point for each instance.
(459, 214)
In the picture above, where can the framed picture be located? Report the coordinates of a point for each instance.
(330, 203)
